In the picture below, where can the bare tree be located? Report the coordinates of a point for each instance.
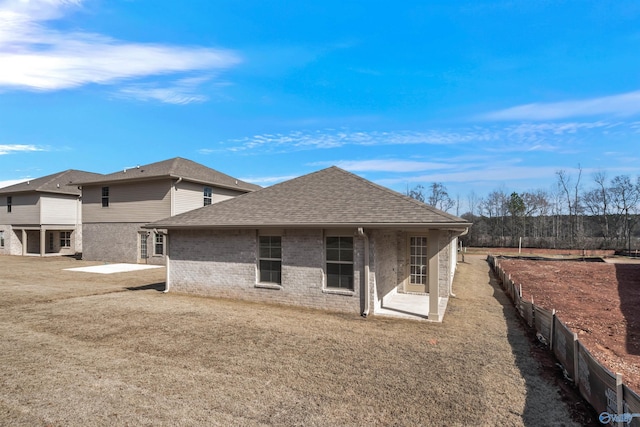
(573, 202)
(625, 196)
(597, 202)
(439, 198)
(417, 193)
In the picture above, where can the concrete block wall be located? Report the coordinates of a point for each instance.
(223, 263)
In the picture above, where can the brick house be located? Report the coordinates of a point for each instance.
(42, 216)
(329, 240)
(117, 205)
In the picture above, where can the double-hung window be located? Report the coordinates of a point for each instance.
(158, 247)
(339, 262)
(105, 197)
(1, 239)
(208, 196)
(270, 259)
(65, 239)
(9, 203)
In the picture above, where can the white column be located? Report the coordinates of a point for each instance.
(43, 241)
(24, 242)
(433, 254)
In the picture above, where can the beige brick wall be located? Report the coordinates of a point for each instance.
(116, 242)
(223, 263)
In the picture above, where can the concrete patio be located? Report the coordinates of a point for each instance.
(409, 306)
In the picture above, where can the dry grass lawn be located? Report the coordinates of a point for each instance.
(83, 349)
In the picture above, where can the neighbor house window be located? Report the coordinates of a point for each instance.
(270, 259)
(105, 197)
(158, 247)
(9, 203)
(208, 193)
(1, 239)
(339, 262)
(65, 239)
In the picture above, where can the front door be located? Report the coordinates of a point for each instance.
(417, 277)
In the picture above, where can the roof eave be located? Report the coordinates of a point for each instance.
(440, 226)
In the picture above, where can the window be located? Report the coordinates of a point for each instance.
(270, 259)
(158, 247)
(105, 197)
(339, 262)
(208, 193)
(418, 262)
(65, 239)
(9, 203)
(144, 252)
(1, 239)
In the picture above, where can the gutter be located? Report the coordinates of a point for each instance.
(463, 228)
(367, 285)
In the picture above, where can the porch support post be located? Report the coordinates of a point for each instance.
(24, 242)
(433, 253)
(43, 241)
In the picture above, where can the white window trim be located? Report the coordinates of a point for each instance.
(155, 253)
(325, 288)
(267, 285)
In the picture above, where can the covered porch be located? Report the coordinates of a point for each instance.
(46, 240)
(411, 306)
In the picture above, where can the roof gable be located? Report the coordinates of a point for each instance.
(54, 183)
(174, 168)
(329, 197)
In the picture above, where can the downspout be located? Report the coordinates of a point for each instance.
(367, 286)
(166, 260)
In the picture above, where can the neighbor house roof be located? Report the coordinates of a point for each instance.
(173, 168)
(55, 183)
(330, 197)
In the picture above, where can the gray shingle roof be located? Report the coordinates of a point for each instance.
(329, 197)
(173, 168)
(54, 183)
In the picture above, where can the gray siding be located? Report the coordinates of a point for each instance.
(223, 263)
(25, 209)
(59, 209)
(140, 202)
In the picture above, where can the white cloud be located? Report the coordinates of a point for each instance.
(183, 91)
(9, 182)
(14, 148)
(526, 137)
(625, 104)
(388, 165)
(37, 57)
(268, 180)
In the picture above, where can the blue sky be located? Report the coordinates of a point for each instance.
(478, 95)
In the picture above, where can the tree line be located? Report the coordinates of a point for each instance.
(604, 215)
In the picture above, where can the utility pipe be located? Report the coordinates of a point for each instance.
(367, 286)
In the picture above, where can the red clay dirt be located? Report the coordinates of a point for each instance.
(600, 301)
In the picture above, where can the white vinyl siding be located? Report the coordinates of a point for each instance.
(189, 196)
(145, 201)
(59, 209)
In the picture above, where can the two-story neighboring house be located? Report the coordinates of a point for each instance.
(116, 206)
(42, 216)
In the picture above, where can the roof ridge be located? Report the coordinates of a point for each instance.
(396, 193)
